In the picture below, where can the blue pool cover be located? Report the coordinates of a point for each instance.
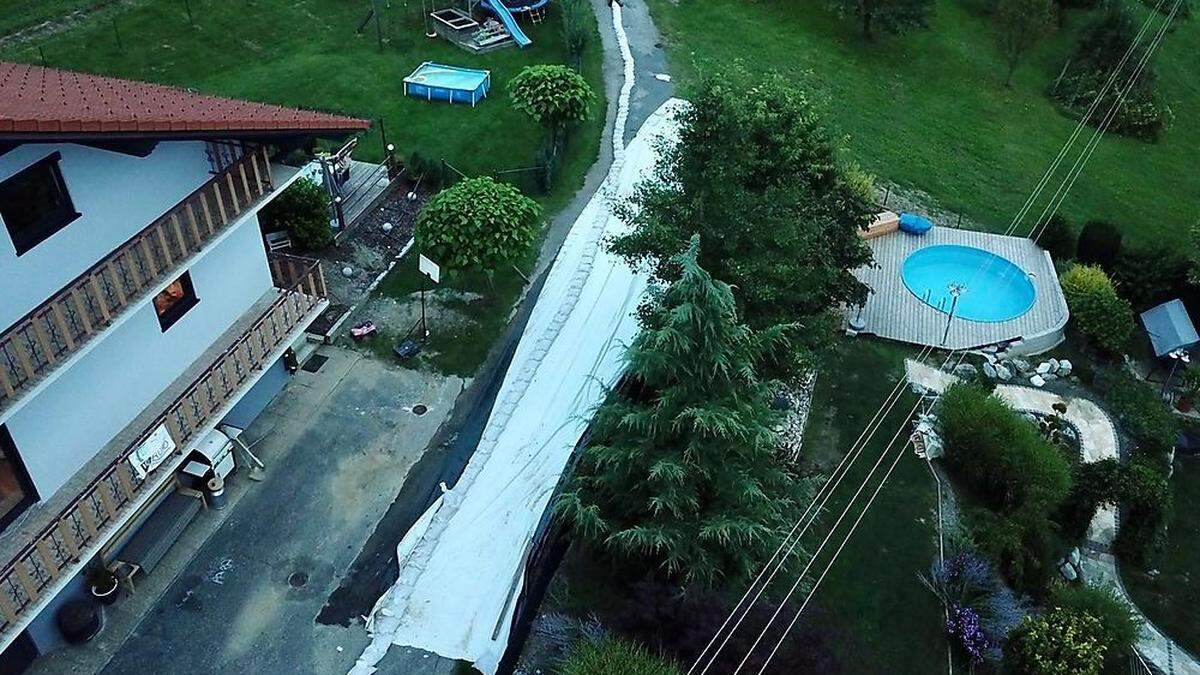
(990, 288)
(437, 82)
(914, 224)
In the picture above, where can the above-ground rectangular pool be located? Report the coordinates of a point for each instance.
(437, 82)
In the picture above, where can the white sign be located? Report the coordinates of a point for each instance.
(157, 447)
(429, 269)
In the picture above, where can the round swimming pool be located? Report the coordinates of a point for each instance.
(989, 287)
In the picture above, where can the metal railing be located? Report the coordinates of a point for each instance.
(92, 516)
(33, 346)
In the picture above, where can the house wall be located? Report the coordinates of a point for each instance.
(116, 196)
(65, 424)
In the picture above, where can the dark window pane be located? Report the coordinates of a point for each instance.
(16, 492)
(34, 204)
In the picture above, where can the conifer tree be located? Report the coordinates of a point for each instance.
(682, 474)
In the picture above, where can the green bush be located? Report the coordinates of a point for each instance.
(1103, 317)
(1146, 502)
(577, 29)
(1151, 275)
(303, 210)
(1061, 642)
(999, 454)
(610, 656)
(1099, 244)
(1120, 625)
(1093, 484)
(1142, 412)
(1059, 238)
(478, 224)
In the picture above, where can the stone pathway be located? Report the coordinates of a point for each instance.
(1098, 441)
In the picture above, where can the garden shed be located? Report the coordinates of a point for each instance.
(1170, 328)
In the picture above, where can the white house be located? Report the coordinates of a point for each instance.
(139, 310)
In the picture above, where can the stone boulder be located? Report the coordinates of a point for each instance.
(965, 371)
(1037, 381)
(1003, 373)
(1021, 365)
(1043, 368)
(990, 371)
(1065, 367)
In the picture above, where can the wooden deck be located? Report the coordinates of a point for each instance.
(893, 312)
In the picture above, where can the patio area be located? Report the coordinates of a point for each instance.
(894, 312)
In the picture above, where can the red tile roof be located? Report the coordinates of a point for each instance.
(37, 100)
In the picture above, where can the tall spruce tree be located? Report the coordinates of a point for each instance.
(682, 474)
(756, 175)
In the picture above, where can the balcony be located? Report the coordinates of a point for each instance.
(50, 543)
(49, 335)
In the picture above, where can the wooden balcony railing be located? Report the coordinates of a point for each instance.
(33, 346)
(91, 517)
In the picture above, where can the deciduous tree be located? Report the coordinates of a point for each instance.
(478, 224)
(893, 16)
(755, 173)
(555, 96)
(1020, 25)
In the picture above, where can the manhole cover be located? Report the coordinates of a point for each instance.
(298, 579)
(420, 409)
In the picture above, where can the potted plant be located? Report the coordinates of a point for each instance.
(104, 585)
(1189, 386)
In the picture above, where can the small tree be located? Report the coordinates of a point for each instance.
(303, 210)
(554, 96)
(893, 16)
(577, 29)
(1020, 24)
(1060, 642)
(682, 473)
(1193, 254)
(1103, 317)
(1059, 238)
(1099, 243)
(478, 224)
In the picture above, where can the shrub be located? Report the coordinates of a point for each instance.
(680, 625)
(1120, 625)
(1099, 244)
(1060, 642)
(303, 210)
(1098, 53)
(1023, 545)
(1146, 498)
(1103, 317)
(610, 656)
(1059, 238)
(999, 454)
(981, 610)
(1151, 275)
(478, 224)
(1142, 412)
(1092, 484)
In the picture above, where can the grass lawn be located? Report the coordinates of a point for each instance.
(457, 348)
(306, 53)
(1170, 598)
(872, 594)
(21, 14)
(929, 111)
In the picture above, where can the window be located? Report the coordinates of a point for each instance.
(16, 490)
(175, 300)
(34, 204)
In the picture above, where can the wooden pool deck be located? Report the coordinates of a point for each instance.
(895, 313)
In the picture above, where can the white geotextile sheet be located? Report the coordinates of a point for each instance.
(461, 565)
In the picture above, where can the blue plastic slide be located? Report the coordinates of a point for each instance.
(498, 8)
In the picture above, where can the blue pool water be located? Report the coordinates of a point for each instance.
(434, 81)
(992, 288)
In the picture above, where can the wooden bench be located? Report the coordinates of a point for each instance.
(885, 222)
(154, 537)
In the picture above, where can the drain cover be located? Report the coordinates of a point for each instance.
(298, 579)
(420, 409)
(314, 363)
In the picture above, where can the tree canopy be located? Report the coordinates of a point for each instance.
(553, 95)
(682, 473)
(756, 175)
(477, 224)
(1020, 24)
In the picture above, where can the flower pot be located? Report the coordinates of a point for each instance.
(106, 590)
(80, 620)
(1184, 404)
